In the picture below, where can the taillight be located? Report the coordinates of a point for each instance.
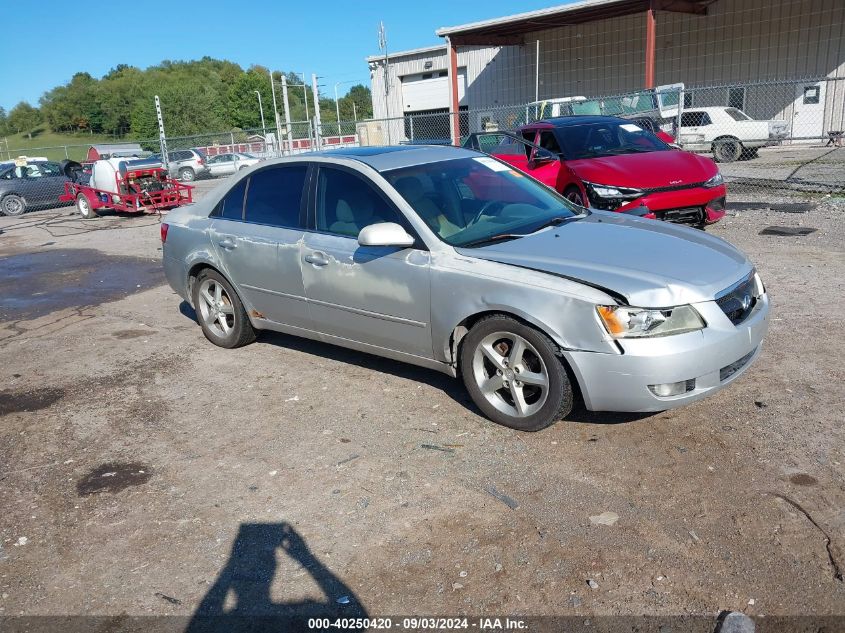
(164, 228)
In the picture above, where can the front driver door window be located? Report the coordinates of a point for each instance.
(374, 295)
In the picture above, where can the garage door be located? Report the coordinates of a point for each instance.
(430, 91)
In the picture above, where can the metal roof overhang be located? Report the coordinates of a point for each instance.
(511, 30)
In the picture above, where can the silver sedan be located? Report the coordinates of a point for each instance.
(449, 259)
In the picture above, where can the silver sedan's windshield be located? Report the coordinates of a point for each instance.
(468, 201)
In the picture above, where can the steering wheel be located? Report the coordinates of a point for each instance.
(487, 205)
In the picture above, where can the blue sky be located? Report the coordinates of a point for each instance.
(46, 43)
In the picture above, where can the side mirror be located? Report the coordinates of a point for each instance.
(385, 234)
(542, 156)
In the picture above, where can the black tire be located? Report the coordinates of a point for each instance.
(727, 150)
(12, 205)
(83, 205)
(574, 194)
(187, 174)
(559, 397)
(241, 331)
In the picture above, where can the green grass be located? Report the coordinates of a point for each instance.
(45, 142)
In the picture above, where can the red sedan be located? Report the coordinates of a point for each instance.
(612, 164)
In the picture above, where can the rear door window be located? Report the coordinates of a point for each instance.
(231, 207)
(274, 196)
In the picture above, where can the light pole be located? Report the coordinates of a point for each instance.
(261, 109)
(337, 102)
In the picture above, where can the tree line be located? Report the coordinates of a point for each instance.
(208, 95)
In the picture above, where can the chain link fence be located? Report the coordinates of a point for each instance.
(777, 139)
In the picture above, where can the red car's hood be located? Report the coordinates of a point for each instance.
(645, 170)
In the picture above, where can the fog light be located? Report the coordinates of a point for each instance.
(668, 389)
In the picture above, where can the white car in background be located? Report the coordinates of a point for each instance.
(226, 164)
(728, 132)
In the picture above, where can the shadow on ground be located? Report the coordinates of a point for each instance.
(240, 599)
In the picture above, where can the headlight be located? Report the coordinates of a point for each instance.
(715, 181)
(627, 322)
(607, 191)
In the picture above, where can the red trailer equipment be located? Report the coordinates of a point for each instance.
(136, 186)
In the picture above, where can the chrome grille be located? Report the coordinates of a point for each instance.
(738, 301)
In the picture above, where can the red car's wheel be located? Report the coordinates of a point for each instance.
(574, 195)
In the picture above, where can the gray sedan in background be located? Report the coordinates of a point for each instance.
(450, 259)
(34, 184)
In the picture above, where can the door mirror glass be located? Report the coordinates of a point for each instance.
(385, 234)
(542, 156)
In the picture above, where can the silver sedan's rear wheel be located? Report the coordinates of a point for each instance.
(220, 311)
(513, 374)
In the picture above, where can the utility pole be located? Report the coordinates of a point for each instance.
(261, 109)
(318, 129)
(275, 109)
(337, 109)
(382, 44)
(287, 111)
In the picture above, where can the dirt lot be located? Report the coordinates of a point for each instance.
(145, 471)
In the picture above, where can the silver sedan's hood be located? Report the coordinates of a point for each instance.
(650, 263)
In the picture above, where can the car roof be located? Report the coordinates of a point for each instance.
(396, 156)
(576, 119)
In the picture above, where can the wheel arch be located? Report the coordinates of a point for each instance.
(195, 270)
(460, 330)
(463, 328)
(724, 137)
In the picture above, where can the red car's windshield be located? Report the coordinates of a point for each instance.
(606, 138)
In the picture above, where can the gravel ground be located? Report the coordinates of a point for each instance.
(144, 471)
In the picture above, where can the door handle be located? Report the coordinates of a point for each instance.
(316, 258)
(227, 243)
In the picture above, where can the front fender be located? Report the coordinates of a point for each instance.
(464, 287)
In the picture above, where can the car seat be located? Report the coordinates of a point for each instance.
(352, 214)
(411, 189)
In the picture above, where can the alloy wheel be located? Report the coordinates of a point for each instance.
(215, 307)
(510, 374)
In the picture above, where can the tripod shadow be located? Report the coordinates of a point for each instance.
(245, 582)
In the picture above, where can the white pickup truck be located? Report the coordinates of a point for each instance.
(728, 132)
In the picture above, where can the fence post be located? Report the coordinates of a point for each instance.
(67, 157)
(412, 127)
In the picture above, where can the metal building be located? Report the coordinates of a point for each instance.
(782, 59)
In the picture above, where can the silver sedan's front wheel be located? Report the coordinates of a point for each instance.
(511, 374)
(514, 375)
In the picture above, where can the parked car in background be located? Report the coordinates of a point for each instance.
(453, 260)
(185, 164)
(35, 183)
(613, 164)
(226, 164)
(728, 132)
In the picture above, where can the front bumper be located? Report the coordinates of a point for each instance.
(619, 382)
(686, 206)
